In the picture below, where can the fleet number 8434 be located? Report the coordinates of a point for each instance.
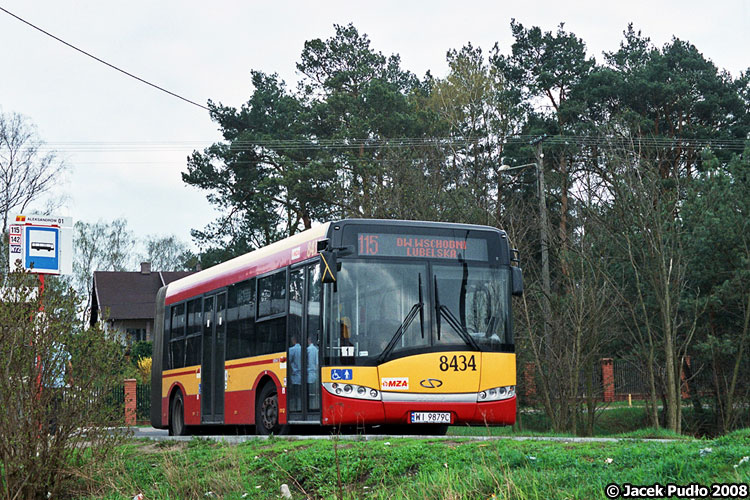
(458, 363)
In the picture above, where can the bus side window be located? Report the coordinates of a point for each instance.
(193, 337)
(313, 301)
(241, 337)
(272, 294)
(177, 337)
(165, 337)
(296, 293)
(271, 336)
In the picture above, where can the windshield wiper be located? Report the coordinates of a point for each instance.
(490, 327)
(443, 311)
(416, 308)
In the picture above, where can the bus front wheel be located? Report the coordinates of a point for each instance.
(267, 412)
(177, 425)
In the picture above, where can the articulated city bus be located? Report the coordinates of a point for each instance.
(357, 322)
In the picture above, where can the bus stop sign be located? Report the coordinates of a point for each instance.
(41, 244)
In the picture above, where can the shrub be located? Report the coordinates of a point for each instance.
(144, 370)
(56, 383)
(141, 349)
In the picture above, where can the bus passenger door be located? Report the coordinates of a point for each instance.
(303, 337)
(313, 298)
(212, 369)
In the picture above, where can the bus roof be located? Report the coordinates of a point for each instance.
(419, 224)
(278, 255)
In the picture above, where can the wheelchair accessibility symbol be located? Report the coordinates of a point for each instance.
(341, 374)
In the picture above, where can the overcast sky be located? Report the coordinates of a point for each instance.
(126, 143)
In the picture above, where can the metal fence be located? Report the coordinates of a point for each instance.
(629, 378)
(595, 382)
(118, 396)
(142, 402)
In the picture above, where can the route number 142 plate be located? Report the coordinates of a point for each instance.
(430, 417)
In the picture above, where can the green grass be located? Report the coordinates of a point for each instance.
(501, 431)
(651, 433)
(617, 420)
(410, 468)
(612, 421)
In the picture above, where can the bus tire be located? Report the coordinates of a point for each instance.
(177, 425)
(267, 412)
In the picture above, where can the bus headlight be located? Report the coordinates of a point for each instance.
(352, 391)
(497, 394)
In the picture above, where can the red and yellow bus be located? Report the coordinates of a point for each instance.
(355, 322)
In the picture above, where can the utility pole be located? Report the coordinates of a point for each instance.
(544, 238)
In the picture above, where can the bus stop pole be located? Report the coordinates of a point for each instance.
(39, 367)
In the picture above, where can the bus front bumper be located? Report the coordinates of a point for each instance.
(339, 410)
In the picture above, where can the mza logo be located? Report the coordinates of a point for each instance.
(395, 384)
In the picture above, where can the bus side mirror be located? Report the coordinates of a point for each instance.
(329, 266)
(516, 276)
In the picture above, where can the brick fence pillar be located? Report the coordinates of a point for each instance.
(529, 381)
(608, 379)
(130, 401)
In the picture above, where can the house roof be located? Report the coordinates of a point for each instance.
(128, 295)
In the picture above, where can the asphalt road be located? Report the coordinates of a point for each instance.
(163, 435)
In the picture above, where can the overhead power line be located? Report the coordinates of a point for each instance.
(289, 145)
(103, 61)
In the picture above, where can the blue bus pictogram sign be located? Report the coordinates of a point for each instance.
(42, 248)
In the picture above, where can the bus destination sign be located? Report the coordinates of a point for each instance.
(420, 246)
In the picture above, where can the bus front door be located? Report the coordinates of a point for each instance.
(303, 341)
(213, 375)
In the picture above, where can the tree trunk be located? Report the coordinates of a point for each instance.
(563, 213)
(546, 400)
(654, 413)
(694, 396)
(590, 400)
(729, 415)
(672, 393)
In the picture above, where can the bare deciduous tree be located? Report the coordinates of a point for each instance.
(166, 253)
(643, 210)
(28, 171)
(100, 246)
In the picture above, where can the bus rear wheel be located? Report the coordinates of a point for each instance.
(177, 425)
(267, 412)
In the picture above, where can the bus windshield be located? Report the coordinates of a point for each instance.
(472, 300)
(382, 310)
(372, 301)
